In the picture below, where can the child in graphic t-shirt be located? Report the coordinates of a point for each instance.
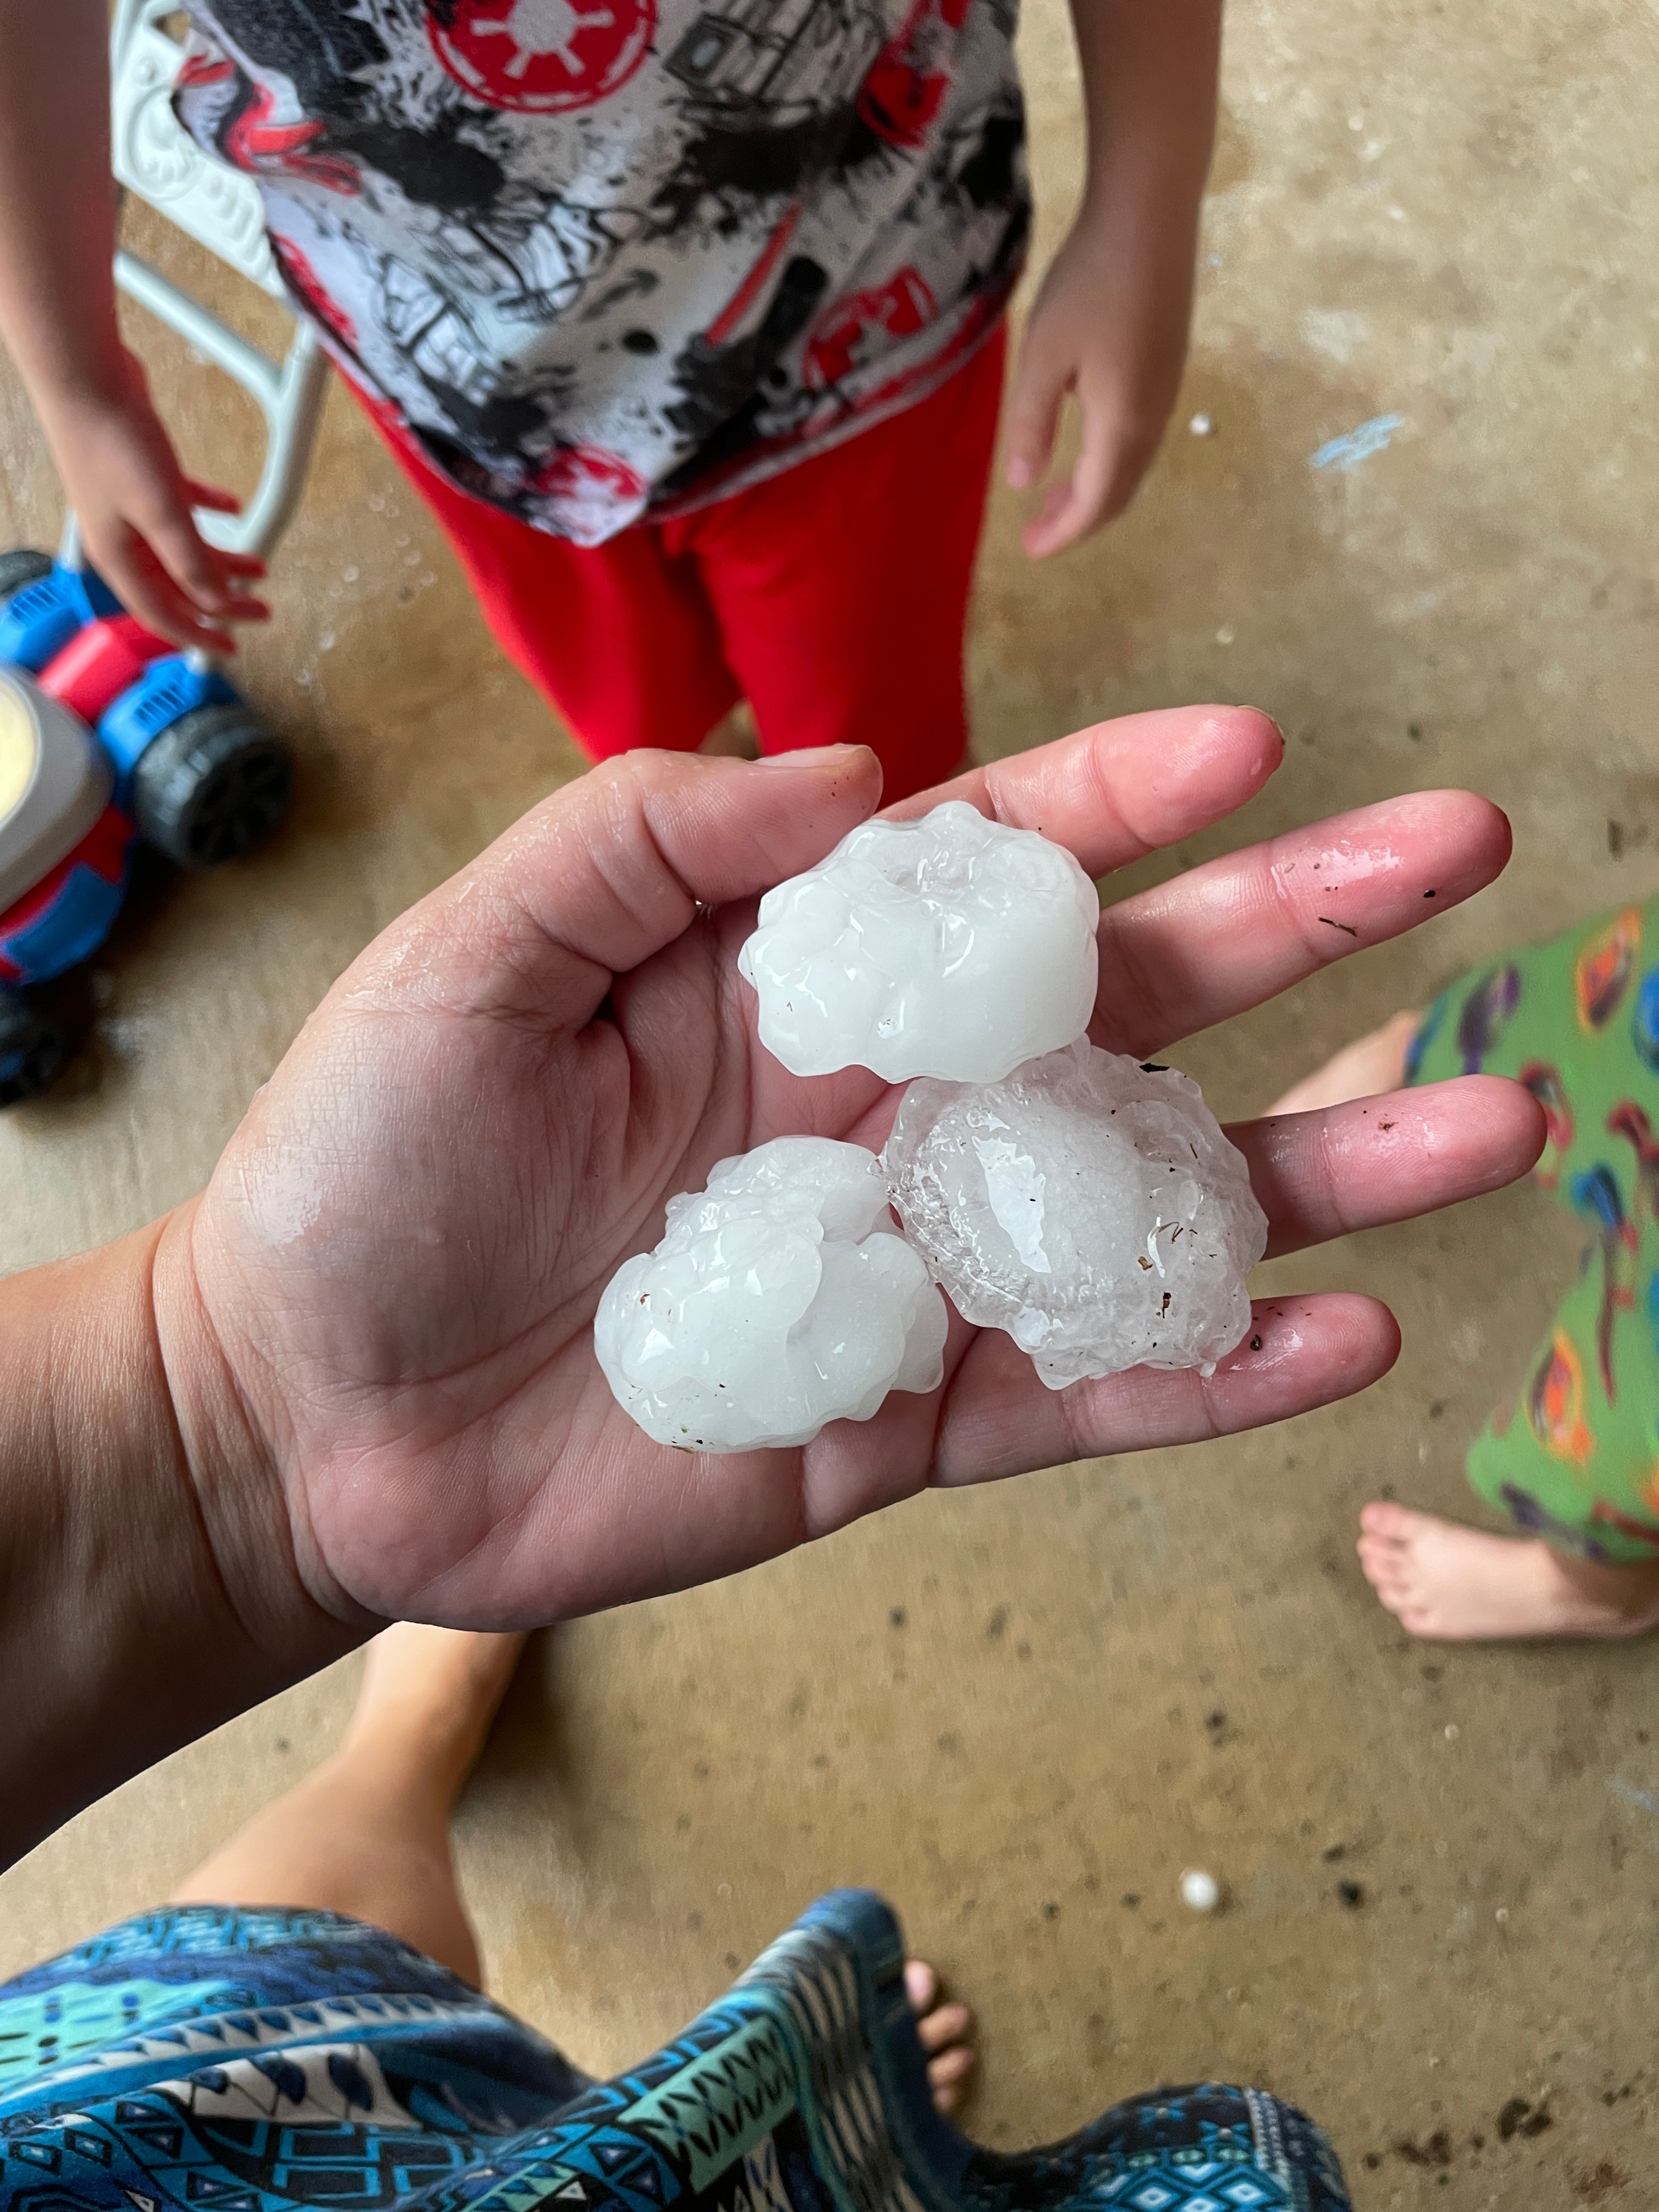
(684, 316)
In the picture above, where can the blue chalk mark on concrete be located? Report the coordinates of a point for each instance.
(1632, 1795)
(1356, 446)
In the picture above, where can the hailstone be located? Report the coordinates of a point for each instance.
(1201, 1890)
(780, 1298)
(952, 946)
(1088, 1204)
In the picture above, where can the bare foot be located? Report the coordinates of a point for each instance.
(428, 1698)
(1460, 1584)
(946, 2033)
(1370, 1065)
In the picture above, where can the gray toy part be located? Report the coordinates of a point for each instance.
(68, 782)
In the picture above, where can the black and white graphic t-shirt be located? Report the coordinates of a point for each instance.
(609, 259)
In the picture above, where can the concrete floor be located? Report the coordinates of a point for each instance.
(1022, 1712)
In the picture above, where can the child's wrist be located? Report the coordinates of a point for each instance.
(1142, 242)
(1155, 193)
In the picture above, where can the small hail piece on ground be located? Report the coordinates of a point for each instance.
(1088, 1204)
(780, 1298)
(1199, 1890)
(1201, 426)
(950, 946)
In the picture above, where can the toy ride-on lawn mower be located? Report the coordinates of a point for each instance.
(107, 733)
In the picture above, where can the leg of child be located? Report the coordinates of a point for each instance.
(832, 598)
(1360, 1070)
(841, 586)
(1573, 1464)
(367, 1833)
(618, 638)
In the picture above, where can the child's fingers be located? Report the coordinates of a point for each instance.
(1111, 461)
(190, 561)
(240, 604)
(1083, 503)
(209, 580)
(231, 568)
(1039, 385)
(1062, 521)
(135, 574)
(147, 591)
(212, 497)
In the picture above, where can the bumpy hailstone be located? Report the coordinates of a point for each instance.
(1089, 1206)
(950, 947)
(780, 1297)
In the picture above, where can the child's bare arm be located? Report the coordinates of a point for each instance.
(57, 213)
(1110, 321)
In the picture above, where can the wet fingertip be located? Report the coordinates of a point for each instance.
(1249, 739)
(823, 759)
(1271, 728)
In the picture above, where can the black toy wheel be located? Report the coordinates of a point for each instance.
(22, 566)
(212, 786)
(34, 1047)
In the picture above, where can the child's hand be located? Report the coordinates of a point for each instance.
(1108, 325)
(133, 503)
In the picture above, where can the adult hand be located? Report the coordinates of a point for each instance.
(135, 507)
(376, 1322)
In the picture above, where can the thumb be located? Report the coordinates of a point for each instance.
(1041, 383)
(606, 873)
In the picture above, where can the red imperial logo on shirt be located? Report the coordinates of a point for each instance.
(539, 55)
(577, 472)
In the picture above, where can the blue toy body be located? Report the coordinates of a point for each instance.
(168, 689)
(37, 620)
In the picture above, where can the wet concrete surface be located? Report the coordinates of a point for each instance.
(1021, 1712)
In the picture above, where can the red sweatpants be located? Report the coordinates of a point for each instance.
(833, 597)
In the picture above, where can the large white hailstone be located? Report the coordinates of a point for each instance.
(1089, 1205)
(952, 946)
(780, 1298)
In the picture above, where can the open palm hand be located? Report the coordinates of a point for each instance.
(399, 1258)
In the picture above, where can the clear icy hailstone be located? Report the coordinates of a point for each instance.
(950, 946)
(1089, 1206)
(780, 1297)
